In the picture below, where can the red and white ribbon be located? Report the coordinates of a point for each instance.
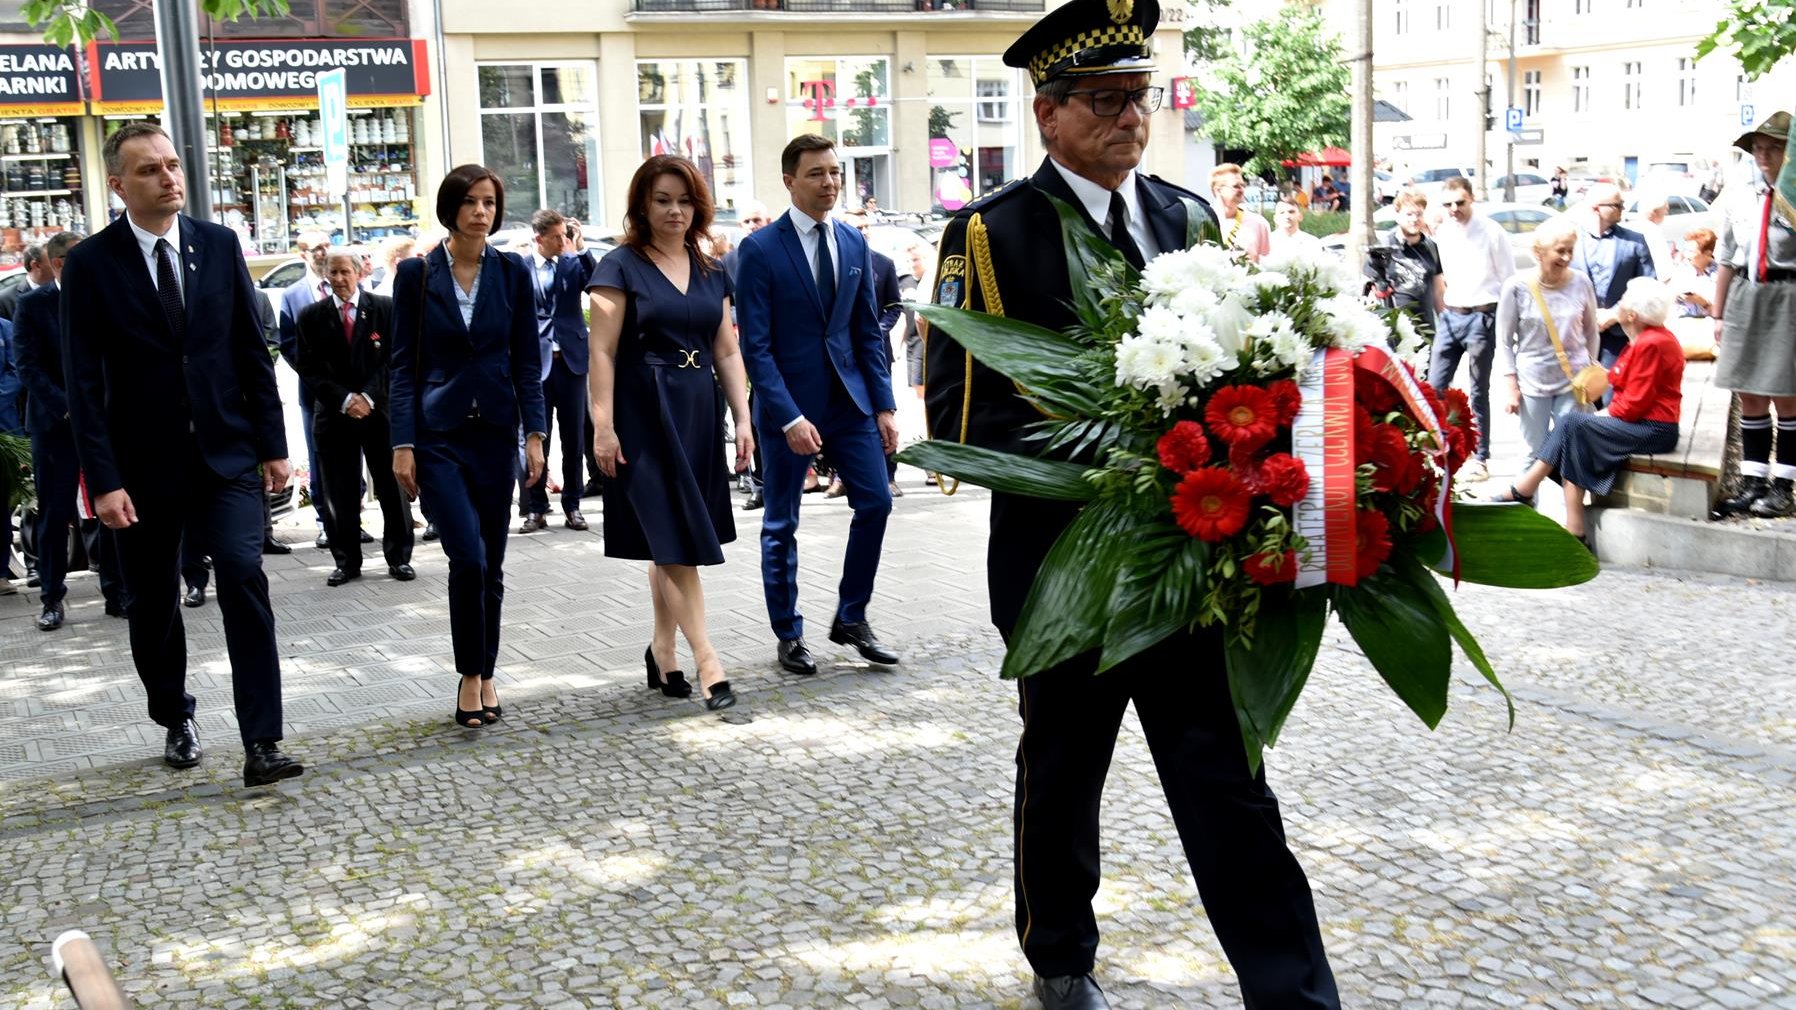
(1377, 361)
(1322, 437)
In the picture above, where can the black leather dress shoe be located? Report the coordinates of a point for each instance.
(323, 540)
(430, 532)
(404, 573)
(755, 501)
(1070, 992)
(114, 609)
(264, 763)
(51, 618)
(860, 635)
(273, 546)
(575, 521)
(533, 523)
(182, 749)
(194, 597)
(366, 537)
(795, 658)
(338, 576)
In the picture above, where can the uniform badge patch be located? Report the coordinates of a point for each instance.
(948, 291)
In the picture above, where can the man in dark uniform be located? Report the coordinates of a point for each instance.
(1090, 63)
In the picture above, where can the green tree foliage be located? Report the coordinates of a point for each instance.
(66, 22)
(1760, 33)
(1287, 96)
(1205, 43)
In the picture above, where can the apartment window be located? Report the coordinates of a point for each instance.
(1443, 98)
(1583, 6)
(1531, 24)
(976, 116)
(1686, 81)
(1630, 85)
(1443, 15)
(1530, 93)
(1400, 96)
(699, 109)
(539, 130)
(1402, 19)
(1580, 89)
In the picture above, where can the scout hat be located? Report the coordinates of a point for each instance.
(1087, 37)
(1777, 127)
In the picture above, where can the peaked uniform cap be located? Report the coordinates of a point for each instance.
(1087, 37)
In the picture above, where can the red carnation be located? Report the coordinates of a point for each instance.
(1375, 391)
(1271, 569)
(1283, 478)
(1286, 399)
(1363, 426)
(1242, 416)
(1372, 542)
(1397, 469)
(1210, 504)
(1184, 448)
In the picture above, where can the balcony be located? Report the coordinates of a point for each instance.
(885, 7)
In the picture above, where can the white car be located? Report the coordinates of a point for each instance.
(1684, 214)
(1429, 181)
(1517, 219)
(1529, 188)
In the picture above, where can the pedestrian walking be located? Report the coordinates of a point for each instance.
(465, 372)
(1475, 260)
(1546, 335)
(559, 270)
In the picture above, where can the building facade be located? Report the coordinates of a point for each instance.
(1609, 86)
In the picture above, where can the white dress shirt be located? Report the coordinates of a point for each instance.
(146, 241)
(809, 230)
(355, 307)
(1475, 260)
(1096, 200)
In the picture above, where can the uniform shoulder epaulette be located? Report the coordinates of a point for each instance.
(991, 199)
(1176, 188)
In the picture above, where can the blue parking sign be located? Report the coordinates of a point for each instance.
(1746, 114)
(1512, 119)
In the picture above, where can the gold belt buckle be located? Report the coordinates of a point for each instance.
(691, 359)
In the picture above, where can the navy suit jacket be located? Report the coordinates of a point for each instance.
(568, 292)
(37, 343)
(295, 298)
(10, 385)
(125, 366)
(1633, 258)
(792, 342)
(439, 368)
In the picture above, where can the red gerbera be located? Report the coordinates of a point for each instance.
(1283, 478)
(1271, 569)
(1184, 448)
(1210, 504)
(1363, 426)
(1372, 541)
(1375, 391)
(1286, 399)
(1242, 416)
(1397, 469)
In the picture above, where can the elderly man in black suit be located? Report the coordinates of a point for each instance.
(37, 274)
(178, 427)
(343, 358)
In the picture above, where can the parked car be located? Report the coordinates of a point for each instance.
(1684, 214)
(1529, 188)
(283, 275)
(1517, 219)
(1430, 180)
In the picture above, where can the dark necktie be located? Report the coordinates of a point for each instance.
(1119, 231)
(168, 289)
(826, 269)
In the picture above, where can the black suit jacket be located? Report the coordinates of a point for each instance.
(335, 368)
(37, 341)
(134, 387)
(9, 299)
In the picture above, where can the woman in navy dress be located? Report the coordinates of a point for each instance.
(465, 375)
(661, 341)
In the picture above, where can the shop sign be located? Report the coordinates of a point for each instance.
(39, 80)
(264, 74)
(943, 153)
(1184, 92)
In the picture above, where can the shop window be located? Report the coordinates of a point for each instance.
(539, 132)
(975, 128)
(848, 100)
(699, 109)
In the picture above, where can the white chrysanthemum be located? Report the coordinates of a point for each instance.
(1289, 348)
(1172, 395)
(1205, 360)
(1130, 351)
(1408, 340)
(1265, 280)
(1161, 324)
(1228, 317)
(1194, 301)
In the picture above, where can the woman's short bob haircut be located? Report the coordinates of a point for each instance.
(1647, 298)
(1552, 230)
(454, 189)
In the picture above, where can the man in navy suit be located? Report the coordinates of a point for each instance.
(37, 336)
(818, 363)
(313, 287)
(10, 390)
(173, 403)
(1610, 256)
(558, 272)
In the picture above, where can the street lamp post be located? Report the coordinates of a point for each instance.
(1509, 145)
(177, 43)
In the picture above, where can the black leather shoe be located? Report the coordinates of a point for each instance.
(575, 521)
(860, 635)
(403, 573)
(33, 580)
(430, 532)
(323, 541)
(51, 618)
(1777, 503)
(795, 658)
(263, 763)
(338, 576)
(755, 501)
(1751, 490)
(195, 597)
(114, 609)
(273, 546)
(1070, 992)
(366, 537)
(533, 523)
(182, 749)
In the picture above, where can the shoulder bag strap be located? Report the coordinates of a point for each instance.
(1552, 328)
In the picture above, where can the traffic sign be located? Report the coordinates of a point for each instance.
(1747, 114)
(1523, 138)
(1512, 119)
(333, 115)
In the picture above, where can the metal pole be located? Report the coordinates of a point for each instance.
(1509, 146)
(1365, 194)
(1481, 167)
(178, 49)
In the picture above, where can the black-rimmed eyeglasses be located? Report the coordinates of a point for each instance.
(1109, 102)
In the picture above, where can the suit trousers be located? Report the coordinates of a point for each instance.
(343, 442)
(58, 474)
(466, 474)
(308, 408)
(187, 498)
(852, 440)
(102, 550)
(1253, 890)
(564, 403)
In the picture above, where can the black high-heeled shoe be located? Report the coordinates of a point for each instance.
(674, 686)
(721, 696)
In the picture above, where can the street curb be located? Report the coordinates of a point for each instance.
(1647, 540)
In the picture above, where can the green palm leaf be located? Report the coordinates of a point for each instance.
(1399, 630)
(1068, 608)
(1046, 363)
(1002, 471)
(1266, 676)
(1517, 547)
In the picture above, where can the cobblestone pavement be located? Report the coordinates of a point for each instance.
(843, 841)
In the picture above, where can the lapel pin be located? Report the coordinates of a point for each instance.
(189, 248)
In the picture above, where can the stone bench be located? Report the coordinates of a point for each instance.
(1686, 481)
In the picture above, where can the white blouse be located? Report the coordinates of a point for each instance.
(1523, 348)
